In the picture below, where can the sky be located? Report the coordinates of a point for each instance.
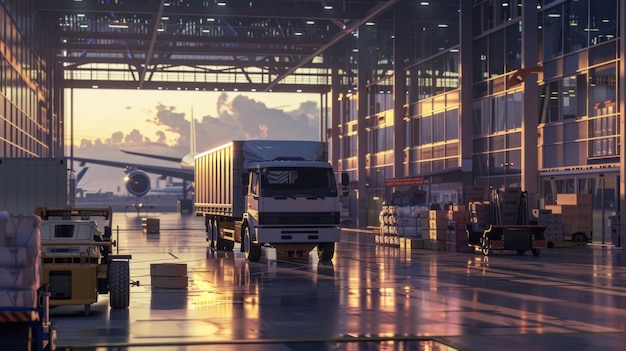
(100, 123)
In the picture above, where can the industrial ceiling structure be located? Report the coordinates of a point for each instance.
(232, 45)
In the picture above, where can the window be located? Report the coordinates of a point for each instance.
(64, 231)
(452, 124)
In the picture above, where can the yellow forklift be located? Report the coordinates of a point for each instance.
(77, 259)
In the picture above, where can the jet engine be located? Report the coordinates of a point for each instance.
(137, 183)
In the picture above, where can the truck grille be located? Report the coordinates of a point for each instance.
(299, 218)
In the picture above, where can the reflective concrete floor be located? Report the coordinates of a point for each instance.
(370, 297)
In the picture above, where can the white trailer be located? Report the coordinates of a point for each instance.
(30, 182)
(269, 192)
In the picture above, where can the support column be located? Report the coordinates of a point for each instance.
(335, 118)
(362, 110)
(466, 80)
(530, 108)
(399, 92)
(622, 114)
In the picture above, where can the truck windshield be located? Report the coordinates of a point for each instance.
(319, 182)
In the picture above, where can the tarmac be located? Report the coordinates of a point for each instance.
(370, 297)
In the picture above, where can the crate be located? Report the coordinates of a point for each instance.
(150, 225)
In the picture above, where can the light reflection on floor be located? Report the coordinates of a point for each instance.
(370, 297)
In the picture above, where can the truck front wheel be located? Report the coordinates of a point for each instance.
(252, 250)
(326, 251)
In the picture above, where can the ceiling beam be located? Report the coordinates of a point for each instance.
(376, 10)
(157, 23)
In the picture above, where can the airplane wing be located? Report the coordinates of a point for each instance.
(159, 157)
(182, 173)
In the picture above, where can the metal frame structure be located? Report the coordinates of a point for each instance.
(277, 45)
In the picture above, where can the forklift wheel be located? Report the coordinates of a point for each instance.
(119, 287)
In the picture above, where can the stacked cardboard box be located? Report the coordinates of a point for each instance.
(478, 194)
(553, 222)
(510, 199)
(168, 275)
(479, 214)
(576, 211)
(456, 236)
(437, 228)
(20, 260)
(387, 233)
(150, 225)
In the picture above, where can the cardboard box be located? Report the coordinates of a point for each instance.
(150, 225)
(179, 282)
(438, 214)
(437, 234)
(574, 199)
(168, 269)
(409, 243)
(438, 224)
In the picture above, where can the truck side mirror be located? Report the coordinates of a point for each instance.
(345, 181)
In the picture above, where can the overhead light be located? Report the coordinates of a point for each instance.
(505, 4)
(554, 15)
(298, 33)
(299, 91)
(83, 25)
(369, 23)
(328, 7)
(210, 19)
(160, 30)
(164, 18)
(253, 89)
(442, 25)
(424, 3)
(221, 3)
(167, 4)
(94, 86)
(80, 15)
(117, 25)
(310, 22)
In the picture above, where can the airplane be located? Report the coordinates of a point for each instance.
(136, 180)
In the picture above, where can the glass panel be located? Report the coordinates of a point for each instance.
(498, 116)
(602, 90)
(438, 127)
(603, 25)
(426, 130)
(568, 97)
(496, 54)
(581, 90)
(452, 124)
(514, 46)
(552, 33)
(576, 25)
(549, 100)
(480, 59)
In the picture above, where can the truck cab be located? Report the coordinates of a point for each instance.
(292, 205)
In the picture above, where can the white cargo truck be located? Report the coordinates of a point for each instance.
(269, 192)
